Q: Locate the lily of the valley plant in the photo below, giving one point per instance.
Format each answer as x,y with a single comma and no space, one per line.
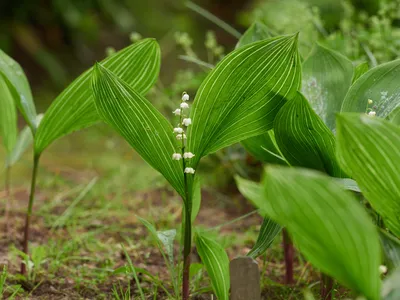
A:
238,99
73,109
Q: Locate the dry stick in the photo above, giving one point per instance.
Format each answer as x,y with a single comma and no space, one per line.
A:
8,199
25,241
326,287
289,253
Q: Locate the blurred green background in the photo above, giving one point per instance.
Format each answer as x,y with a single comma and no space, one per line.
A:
55,40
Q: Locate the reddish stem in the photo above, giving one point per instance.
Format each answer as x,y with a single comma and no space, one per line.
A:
289,254
326,287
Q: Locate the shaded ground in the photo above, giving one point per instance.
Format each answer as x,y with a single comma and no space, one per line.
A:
89,194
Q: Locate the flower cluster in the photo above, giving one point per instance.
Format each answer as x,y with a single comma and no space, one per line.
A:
180,133
371,111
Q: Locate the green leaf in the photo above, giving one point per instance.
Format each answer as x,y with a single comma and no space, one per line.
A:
19,85
304,139
328,226
216,262
381,85
74,108
348,184
269,229
391,249
391,286
268,232
8,117
251,190
241,96
394,116
256,32
167,238
327,77
368,150
142,125
263,147
196,199
359,71
24,140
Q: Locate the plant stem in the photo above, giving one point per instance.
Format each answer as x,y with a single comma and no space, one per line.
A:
326,287
187,242
8,198
289,253
25,241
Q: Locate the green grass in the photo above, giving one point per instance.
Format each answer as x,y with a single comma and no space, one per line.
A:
91,186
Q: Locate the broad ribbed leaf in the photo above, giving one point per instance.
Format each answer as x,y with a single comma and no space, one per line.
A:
196,199
251,190
304,139
256,32
394,116
142,125
268,232
359,71
263,147
368,150
74,108
327,77
391,249
216,262
19,85
381,85
269,229
242,94
8,117
328,226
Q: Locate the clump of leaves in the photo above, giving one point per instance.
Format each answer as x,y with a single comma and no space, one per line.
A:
74,108
238,99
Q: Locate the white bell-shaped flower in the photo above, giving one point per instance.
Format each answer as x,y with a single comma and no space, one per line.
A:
189,170
181,136
178,130
185,97
187,121
184,105
176,156
372,113
177,112
383,269
188,155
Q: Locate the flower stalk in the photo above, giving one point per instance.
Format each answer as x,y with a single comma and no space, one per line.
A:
187,212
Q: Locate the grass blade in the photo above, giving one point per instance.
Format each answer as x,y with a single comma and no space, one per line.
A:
217,21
